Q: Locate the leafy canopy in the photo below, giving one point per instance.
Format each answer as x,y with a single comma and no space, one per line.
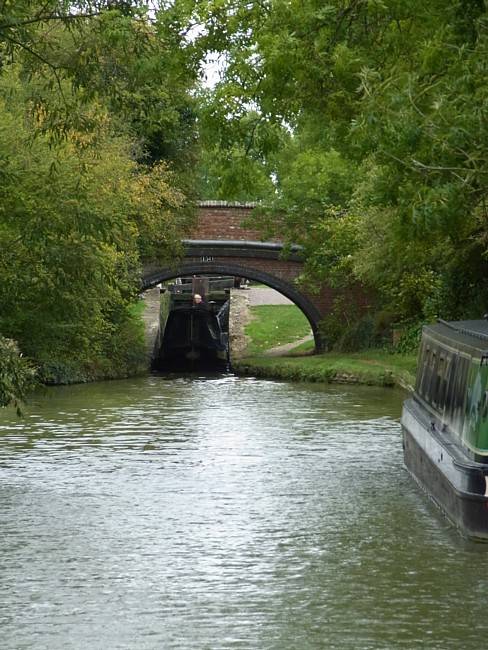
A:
382,110
96,150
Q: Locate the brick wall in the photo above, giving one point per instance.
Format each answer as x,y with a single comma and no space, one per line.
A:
283,269
224,221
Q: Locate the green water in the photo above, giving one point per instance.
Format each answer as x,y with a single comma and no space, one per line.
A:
223,512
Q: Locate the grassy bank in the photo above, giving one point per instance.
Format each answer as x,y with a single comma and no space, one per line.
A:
275,325
372,367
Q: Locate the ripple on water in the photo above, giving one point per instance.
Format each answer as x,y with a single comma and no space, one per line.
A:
221,512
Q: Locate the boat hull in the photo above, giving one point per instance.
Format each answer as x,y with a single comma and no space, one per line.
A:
457,484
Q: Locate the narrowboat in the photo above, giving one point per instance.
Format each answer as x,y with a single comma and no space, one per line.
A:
445,422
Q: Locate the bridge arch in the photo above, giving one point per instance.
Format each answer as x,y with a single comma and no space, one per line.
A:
231,268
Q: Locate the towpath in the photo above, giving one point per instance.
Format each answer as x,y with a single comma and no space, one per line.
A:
266,296
282,350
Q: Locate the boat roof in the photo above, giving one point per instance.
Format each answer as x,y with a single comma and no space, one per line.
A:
470,335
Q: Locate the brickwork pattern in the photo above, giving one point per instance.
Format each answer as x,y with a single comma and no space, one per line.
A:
224,223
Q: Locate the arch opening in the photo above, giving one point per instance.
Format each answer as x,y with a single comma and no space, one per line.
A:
230,269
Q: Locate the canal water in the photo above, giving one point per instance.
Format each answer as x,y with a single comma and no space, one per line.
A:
223,512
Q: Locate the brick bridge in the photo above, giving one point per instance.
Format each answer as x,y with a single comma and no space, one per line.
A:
221,245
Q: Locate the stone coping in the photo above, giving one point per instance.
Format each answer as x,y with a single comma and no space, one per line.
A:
226,204
240,243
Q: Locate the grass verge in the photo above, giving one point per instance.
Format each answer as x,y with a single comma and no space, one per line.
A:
274,325
371,367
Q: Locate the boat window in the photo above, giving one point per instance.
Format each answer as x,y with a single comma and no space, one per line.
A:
432,396
460,392
446,382
440,381
423,379
484,410
433,359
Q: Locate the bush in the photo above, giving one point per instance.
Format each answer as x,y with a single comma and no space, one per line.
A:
384,321
409,341
368,331
360,336
62,371
344,315
17,375
121,355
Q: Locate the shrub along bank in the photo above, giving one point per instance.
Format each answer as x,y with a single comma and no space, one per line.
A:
17,376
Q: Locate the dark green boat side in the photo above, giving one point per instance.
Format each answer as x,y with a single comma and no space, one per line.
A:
445,423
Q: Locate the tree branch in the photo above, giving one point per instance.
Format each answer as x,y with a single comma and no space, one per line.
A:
46,18
38,56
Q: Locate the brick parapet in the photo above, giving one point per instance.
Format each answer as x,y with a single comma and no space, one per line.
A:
225,221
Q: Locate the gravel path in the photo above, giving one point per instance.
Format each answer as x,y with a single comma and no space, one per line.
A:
266,296
281,350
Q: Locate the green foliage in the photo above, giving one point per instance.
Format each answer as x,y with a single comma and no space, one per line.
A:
130,58
361,126
381,167
235,147
230,175
342,317
360,336
362,333
17,375
409,340
121,355
348,329
75,223
97,140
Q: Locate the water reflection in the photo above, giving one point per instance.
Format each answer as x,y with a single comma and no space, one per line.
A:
218,512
